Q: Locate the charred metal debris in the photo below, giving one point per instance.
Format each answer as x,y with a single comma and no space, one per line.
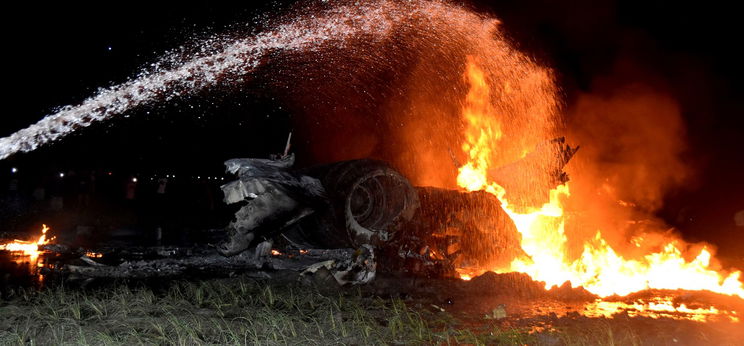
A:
347,220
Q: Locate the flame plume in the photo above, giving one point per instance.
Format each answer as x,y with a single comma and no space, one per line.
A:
600,268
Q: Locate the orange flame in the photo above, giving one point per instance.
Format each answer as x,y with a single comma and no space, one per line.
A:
92,254
599,269
27,248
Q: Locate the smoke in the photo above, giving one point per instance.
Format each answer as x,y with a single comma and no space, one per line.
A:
400,99
633,139
739,218
633,144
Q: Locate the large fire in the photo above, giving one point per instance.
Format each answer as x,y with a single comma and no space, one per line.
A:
600,268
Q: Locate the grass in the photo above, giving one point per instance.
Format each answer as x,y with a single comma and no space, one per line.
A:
246,311
225,311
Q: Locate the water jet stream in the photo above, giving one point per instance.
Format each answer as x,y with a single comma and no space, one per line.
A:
239,57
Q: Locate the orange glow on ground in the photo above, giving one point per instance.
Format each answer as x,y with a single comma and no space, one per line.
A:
657,308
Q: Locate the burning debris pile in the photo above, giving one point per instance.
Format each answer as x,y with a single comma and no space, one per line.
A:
366,203
599,268
336,217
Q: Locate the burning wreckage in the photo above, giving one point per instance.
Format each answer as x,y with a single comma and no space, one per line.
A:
349,219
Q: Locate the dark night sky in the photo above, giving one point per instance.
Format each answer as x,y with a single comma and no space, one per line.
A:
59,54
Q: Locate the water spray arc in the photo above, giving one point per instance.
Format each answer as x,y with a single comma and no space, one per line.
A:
238,57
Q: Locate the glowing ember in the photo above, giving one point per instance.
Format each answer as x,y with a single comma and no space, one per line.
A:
600,268
275,252
28,248
92,254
